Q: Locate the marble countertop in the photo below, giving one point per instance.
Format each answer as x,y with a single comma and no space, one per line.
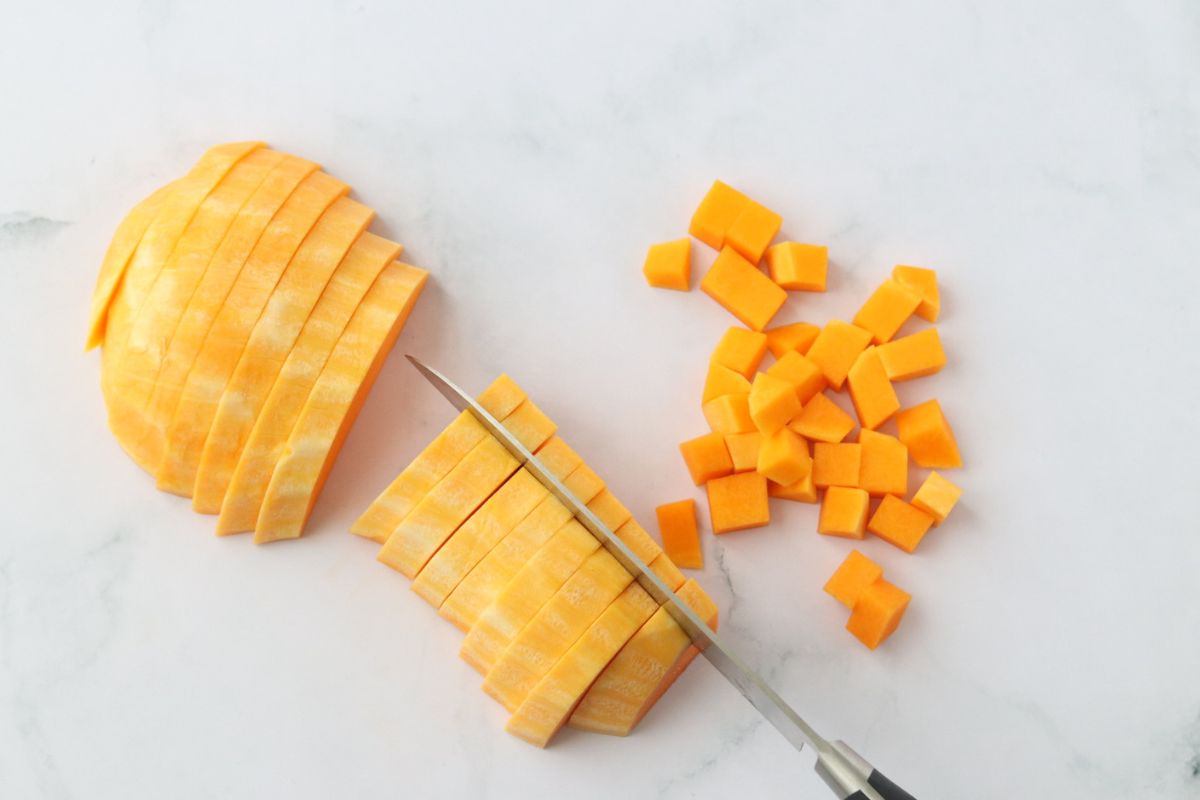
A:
1043,158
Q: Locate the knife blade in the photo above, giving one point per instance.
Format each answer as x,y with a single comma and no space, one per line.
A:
843,770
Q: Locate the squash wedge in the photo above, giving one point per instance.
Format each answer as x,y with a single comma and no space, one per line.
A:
120,250
550,703
277,297
334,402
268,349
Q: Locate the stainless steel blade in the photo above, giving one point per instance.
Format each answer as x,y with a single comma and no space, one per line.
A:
782,716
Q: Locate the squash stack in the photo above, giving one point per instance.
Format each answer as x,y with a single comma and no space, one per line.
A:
561,632
244,311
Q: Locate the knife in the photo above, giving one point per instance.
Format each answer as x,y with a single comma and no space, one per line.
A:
845,772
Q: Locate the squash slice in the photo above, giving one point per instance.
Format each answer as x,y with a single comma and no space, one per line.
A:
440,456
245,476
120,250
549,705
530,589
334,402
278,297
557,626
270,226
643,670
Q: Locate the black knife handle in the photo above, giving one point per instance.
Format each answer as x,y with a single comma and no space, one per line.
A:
886,789
851,778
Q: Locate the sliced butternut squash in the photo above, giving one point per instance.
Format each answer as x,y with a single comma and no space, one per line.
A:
334,402
279,300
550,703
643,670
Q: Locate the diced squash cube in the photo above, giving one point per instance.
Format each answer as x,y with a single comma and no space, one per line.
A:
799,267
743,289
584,483
741,350
784,457
884,467
899,523
796,336
936,497
530,425
729,413
772,402
669,265
844,512
874,399
637,539
751,233
722,380
717,212
558,457
836,464
913,356
706,457
852,577
878,612
887,309
836,348
643,670
738,501
925,431
925,282
822,420
611,511
680,535
743,450
802,373
802,491
665,568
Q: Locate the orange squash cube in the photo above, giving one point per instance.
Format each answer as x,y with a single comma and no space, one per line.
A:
680,536
822,420
669,265
611,511
801,372
874,399
796,336
913,356
799,267
773,402
925,431
877,612
740,350
936,497
722,380
844,512
802,491
836,348
836,464
706,457
887,309
884,466
737,502
924,281
899,523
753,230
784,457
852,577
717,212
743,290
729,413
743,450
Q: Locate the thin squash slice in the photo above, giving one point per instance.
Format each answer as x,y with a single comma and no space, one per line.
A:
273,422
334,402
262,360
440,456
272,225
120,250
643,670
279,300
552,631
550,703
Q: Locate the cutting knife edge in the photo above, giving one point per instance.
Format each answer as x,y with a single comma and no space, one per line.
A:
846,773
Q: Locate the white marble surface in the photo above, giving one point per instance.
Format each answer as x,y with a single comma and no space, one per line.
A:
1044,158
